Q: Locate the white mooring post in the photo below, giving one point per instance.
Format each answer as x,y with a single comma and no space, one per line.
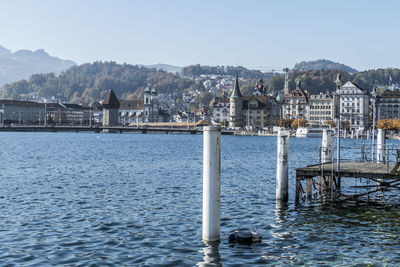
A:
368,135
211,183
327,146
282,165
380,146
352,134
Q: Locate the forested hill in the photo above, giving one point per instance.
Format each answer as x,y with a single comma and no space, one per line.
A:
322,64
90,82
323,80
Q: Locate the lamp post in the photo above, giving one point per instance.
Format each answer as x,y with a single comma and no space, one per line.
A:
338,85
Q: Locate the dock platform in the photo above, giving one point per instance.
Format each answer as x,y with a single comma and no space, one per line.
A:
323,181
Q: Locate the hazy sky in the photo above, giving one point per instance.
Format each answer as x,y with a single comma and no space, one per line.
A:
256,34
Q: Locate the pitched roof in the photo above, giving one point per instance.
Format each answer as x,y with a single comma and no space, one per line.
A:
390,94
111,100
262,99
236,90
127,104
297,93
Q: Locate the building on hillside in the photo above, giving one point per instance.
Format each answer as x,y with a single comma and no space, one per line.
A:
260,111
256,111
294,104
110,109
320,108
221,109
130,111
260,89
388,105
354,106
22,112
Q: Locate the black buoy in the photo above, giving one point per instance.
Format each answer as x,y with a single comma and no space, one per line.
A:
244,237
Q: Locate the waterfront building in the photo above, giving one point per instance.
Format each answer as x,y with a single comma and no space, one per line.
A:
221,109
130,111
22,112
294,104
354,106
320,108
257,111
111,106
260,111
388,105
75,114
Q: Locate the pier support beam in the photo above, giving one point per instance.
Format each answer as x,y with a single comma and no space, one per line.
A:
211,183
380,146
282,165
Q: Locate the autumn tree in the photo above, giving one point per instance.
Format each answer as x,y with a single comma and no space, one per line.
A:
286,123
299,123
330,123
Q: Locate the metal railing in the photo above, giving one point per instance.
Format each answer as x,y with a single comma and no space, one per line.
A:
367,153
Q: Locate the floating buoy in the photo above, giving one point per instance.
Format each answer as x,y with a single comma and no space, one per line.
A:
244,237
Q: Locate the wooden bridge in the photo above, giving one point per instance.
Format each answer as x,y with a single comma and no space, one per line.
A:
114,129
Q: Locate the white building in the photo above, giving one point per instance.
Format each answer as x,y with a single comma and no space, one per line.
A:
221,109
22,112
320,109
354,106
388,105
295,103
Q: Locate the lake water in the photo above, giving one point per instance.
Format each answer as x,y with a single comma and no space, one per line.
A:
82,199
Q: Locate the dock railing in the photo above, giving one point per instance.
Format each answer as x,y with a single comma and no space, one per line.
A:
366,153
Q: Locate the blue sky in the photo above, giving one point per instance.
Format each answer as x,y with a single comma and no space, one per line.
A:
251,33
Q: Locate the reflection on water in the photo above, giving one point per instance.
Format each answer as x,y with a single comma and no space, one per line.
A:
211,255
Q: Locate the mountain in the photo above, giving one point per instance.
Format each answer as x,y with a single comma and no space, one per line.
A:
23,63
323,64
165,67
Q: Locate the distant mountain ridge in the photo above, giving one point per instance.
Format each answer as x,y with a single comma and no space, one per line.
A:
23,63
165,67
322,64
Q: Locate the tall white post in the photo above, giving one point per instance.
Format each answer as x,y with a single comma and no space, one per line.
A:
327,146
368,134
211,183
352,134
282,165
380,146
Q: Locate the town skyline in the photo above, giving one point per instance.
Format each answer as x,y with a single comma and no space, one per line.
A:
257,35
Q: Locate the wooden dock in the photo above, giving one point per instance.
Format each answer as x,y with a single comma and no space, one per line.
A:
322,182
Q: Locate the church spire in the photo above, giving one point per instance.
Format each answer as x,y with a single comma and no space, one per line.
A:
236,91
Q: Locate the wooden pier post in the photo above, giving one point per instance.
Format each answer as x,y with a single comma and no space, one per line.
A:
380,146
282,165
211,183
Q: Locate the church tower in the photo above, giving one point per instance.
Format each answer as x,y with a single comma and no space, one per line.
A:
236,106
147,105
